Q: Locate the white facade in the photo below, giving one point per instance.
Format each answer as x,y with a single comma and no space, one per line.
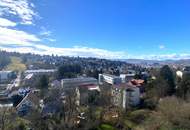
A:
111,79
76,82
179,74
127,77
125,95
131,97
39,71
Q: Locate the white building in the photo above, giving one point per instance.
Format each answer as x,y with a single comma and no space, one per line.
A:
77,82
131,97
179,74
40,71
111,79
5,75
127,77
125,95
76,86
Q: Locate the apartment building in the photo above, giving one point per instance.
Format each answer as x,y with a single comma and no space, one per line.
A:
82,88
77,82
110,79
125,95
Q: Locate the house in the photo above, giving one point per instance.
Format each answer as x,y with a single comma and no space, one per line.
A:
29,102
111,79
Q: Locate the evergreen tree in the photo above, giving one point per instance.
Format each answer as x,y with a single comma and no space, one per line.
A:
167,74
184,87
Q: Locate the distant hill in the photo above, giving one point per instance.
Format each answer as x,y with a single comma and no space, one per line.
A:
142,61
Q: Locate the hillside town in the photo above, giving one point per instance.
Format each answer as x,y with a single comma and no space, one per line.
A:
65,94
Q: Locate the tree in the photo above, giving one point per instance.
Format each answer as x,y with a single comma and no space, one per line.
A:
7,116
4,60
43,85
16,99
155,90
167,74
43,82
184,86
68,71
171,114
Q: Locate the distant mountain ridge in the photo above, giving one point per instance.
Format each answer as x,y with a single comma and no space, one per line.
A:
142,61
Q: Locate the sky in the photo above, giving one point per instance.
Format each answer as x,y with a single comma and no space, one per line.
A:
111,29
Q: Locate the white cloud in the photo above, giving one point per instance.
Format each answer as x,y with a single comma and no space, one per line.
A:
172,56
13,39
162,47
74,51
45,32
16,37
7,23
51,39
20,8
88,52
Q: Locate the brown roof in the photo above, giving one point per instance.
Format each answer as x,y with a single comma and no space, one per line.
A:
137,81
124,85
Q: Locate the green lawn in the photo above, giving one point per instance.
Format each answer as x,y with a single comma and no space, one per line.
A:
16,64
106,127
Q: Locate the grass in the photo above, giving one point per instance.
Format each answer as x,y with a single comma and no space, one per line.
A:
106,127
16,64
98,112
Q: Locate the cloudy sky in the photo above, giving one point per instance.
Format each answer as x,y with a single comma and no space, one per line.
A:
114,29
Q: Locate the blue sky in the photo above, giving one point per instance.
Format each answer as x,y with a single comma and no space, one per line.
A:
145,29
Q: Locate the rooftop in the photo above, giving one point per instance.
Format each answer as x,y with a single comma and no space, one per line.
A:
113,76
81,79
40,71
5,72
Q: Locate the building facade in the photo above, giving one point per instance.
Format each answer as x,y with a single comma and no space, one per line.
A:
110,79
125,95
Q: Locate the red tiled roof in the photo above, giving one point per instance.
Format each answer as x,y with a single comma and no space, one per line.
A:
137,81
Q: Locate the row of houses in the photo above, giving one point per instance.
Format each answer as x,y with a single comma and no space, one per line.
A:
78,88
125,90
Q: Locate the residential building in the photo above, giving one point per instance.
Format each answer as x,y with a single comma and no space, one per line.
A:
76,82
88,94
127,77
125,95
28,103
111,79
81,87
131,97
40,71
